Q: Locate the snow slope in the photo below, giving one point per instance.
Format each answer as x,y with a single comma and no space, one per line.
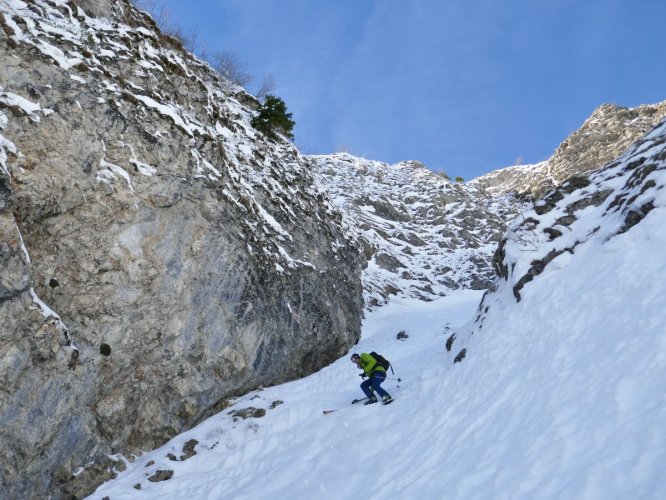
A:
562,398
296,451
561,394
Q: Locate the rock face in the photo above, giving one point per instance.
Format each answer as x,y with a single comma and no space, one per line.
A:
157,254
423,235
604,136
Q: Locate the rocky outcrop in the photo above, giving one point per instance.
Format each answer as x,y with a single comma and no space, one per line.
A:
583,215
422,234
157,254
604,136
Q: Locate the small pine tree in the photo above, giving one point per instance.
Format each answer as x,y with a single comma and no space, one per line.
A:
460,180
273,117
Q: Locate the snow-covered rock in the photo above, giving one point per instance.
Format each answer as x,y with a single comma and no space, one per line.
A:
607,133
422,234
157,254
585,215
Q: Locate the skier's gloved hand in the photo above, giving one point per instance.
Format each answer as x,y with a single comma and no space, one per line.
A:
362,375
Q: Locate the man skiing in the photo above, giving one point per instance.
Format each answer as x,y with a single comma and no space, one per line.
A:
376,375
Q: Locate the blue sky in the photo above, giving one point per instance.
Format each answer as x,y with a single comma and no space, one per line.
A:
463,86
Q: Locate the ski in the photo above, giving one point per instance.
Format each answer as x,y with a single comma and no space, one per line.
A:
327,412
363,399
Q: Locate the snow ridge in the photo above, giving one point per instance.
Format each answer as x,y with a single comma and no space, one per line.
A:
585,215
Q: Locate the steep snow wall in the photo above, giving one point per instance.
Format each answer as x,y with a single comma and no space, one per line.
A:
157,254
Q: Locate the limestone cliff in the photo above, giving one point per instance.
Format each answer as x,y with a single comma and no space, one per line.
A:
157,254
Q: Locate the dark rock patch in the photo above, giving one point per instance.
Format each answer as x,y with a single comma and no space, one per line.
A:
635,216
161,475
249,412
552,233
449,342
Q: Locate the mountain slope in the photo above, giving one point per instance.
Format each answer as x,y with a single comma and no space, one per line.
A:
423,236
560,394
607,133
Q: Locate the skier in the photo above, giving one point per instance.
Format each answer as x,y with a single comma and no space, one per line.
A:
376,375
